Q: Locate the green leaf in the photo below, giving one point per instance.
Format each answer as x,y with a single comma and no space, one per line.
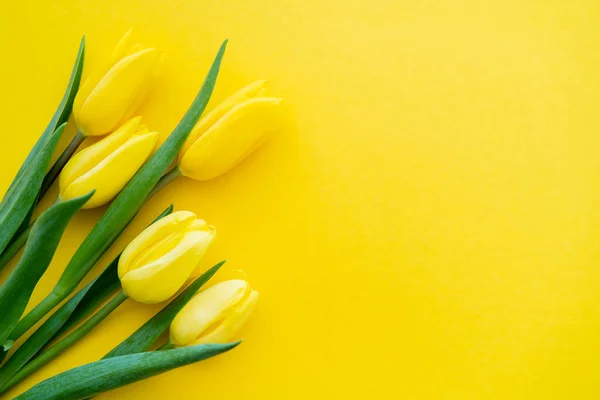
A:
61,115
20,198
125,205
100,376
144,337
69,314
45,236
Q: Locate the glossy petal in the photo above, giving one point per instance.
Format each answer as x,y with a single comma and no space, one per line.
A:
235,136
160,260
252,90
92,80
107,165
232,324
91,156
155,233
123,85
207,311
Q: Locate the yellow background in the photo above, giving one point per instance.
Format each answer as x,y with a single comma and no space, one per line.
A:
425,226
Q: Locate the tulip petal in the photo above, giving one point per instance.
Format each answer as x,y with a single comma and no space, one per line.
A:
232,324
106,104
92,80
142,95
161,279
90,157
254,89
176,222
166,245
235,136
112,174
207,308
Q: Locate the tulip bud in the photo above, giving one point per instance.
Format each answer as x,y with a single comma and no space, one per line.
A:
159,261
229,133
214,315
108,164
113,93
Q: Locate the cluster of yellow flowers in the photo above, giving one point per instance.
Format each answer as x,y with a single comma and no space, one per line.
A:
159,262
125,165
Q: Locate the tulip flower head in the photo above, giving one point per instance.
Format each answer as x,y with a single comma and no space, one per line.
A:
214,315
108,164
113,93
229,133
160,260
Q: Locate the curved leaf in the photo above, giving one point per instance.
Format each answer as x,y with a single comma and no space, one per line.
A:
100,376
45,236
144,337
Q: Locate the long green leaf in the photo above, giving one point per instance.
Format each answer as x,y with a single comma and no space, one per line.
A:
68,315
20,198
144,337
61,115
45,236
125,205
101,376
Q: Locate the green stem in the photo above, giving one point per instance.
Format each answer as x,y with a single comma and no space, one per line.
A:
36,314
166,346
164,181
50,354
60,163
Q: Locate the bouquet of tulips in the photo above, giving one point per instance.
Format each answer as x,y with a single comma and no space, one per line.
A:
125,167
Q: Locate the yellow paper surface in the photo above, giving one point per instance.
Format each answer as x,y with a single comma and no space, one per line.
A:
425,226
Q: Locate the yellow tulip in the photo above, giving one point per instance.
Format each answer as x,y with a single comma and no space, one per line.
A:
108,164
160,260
112,94
214,315
229,133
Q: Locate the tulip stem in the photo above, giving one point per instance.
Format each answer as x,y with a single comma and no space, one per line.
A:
166,346
58,166
164,181
48,355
